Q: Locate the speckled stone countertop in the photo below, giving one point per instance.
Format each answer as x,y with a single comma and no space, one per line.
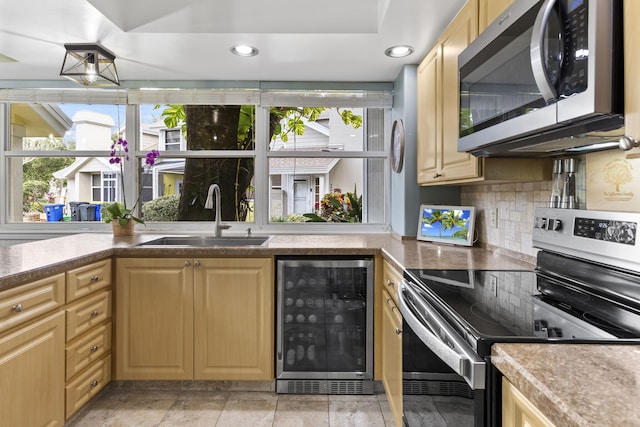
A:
576,384
30,261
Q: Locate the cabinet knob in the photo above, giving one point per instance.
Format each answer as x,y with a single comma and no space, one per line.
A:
93,383
436,175
93,348
95,278
94,313
17,308
390,283
398,331
187,263
197,263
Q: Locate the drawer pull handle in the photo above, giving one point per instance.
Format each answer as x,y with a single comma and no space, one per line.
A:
17,308
95,278
93,383
93,348
95,313
398,331
390,283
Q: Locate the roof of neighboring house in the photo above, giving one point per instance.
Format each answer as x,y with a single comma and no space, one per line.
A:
83,164
40,120
301,166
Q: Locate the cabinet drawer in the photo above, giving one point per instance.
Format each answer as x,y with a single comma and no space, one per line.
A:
87,313
87,349
26,302
391,278
85,280
86,385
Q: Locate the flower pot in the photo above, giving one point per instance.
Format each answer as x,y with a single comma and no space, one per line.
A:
119,230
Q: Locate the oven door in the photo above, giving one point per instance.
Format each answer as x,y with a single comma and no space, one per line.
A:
443,378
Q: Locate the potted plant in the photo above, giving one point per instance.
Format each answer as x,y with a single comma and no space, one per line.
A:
122,217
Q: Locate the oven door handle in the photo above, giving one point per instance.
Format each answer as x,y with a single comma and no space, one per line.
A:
449,346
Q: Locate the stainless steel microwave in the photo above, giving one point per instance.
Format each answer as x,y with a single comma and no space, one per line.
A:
545,78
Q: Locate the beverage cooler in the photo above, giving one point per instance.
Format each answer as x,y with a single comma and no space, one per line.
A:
324,325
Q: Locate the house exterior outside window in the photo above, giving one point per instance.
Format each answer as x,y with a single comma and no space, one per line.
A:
303,169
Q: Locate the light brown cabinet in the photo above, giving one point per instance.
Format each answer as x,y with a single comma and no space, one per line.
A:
88,333
389,338
392,356
183,319
32,373
154,319
32,337
489,10
234,309
439,161
518,411
631,66
437,83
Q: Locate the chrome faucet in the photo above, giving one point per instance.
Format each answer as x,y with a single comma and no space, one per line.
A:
215,189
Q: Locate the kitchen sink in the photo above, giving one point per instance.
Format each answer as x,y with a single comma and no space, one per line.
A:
207,241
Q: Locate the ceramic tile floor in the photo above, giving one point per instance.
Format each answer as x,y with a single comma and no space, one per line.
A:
140,408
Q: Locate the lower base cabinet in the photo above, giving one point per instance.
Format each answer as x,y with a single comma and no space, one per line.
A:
392,356
32,374
518,411
203,319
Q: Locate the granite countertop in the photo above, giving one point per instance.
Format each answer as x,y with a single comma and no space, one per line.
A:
576,384
31,261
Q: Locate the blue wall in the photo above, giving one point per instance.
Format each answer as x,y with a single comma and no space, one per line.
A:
406,194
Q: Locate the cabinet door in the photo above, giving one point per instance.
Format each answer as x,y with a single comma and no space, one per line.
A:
489,11
154,319
392,356
518,411
234,326
631,66
428,132
458,35
32,374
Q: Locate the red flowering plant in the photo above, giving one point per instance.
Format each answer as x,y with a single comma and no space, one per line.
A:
119,211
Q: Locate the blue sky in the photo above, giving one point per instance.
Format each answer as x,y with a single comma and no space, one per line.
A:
70,110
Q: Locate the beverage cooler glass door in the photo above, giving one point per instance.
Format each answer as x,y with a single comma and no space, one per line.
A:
325,319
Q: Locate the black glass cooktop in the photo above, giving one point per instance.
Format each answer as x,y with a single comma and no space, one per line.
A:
498,305
493,303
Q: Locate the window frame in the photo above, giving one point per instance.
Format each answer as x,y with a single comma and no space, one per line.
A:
260,154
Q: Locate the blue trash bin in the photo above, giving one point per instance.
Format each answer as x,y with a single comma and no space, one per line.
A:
54,212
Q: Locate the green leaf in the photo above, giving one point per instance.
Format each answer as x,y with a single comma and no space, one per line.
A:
313,217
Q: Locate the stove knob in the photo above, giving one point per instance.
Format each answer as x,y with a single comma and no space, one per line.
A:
556,225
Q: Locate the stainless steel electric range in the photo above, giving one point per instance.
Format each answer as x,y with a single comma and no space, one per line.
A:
585,288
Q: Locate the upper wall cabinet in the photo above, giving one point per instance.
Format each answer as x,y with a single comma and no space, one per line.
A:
631,66
488,10
439,161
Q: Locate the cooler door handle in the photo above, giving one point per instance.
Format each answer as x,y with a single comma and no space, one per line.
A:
537,52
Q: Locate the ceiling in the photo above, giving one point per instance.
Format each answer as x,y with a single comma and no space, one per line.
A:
319,41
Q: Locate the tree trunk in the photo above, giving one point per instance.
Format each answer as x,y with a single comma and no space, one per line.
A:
213,128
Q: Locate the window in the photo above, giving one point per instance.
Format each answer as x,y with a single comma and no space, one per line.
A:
274,164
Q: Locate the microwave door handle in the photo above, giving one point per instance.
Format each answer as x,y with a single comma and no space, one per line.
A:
537,52
463,360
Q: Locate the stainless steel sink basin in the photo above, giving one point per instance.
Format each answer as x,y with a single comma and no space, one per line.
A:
207,241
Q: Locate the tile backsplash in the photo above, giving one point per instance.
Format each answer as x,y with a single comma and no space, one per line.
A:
516,203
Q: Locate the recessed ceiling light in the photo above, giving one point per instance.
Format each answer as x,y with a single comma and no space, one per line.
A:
244,50
399,51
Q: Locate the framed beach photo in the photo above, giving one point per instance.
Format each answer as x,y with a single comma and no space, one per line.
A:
452,225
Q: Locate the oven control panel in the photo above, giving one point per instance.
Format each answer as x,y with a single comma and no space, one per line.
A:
603,237
605,229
